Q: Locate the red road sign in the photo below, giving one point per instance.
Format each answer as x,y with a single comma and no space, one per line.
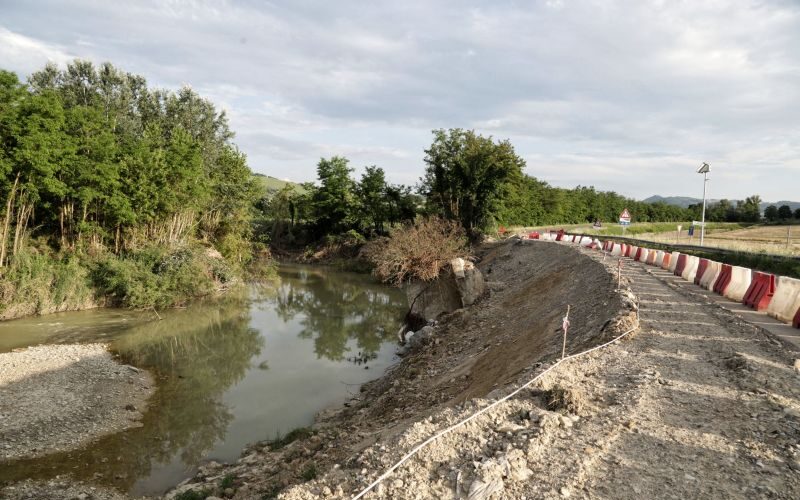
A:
625,215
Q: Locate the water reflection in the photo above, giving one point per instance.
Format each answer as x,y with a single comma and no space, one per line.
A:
335,311
229,373
197,354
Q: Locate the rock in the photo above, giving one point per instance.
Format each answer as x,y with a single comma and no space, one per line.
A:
509,427
457,287
327,491
565,492
397,483
797,365
480,490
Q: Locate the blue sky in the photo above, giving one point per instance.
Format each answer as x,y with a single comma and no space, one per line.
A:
627,96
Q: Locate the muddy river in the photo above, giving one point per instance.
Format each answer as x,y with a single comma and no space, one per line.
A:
230,372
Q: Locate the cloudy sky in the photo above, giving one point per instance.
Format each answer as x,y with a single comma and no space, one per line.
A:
630,96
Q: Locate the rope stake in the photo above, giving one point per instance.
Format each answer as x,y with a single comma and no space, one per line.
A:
565,327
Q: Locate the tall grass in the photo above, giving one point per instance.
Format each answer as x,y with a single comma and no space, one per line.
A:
38,283
156,277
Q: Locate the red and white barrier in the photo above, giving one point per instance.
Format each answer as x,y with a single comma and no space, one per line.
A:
709,277
666,261
673,261
786,301
690,270
741,277
616,250
651,257
659,259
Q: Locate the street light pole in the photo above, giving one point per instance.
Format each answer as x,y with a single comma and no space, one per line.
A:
703,170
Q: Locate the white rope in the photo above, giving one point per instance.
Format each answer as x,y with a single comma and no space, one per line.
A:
482,411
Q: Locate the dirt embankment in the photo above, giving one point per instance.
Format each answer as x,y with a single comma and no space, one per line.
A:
474,352
60,397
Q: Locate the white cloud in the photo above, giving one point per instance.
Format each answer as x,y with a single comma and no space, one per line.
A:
629,96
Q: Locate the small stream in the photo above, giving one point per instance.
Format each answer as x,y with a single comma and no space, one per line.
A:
229,372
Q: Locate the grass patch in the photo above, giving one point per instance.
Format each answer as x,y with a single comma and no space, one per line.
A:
271,493
310,472
193,495
291,437
227,482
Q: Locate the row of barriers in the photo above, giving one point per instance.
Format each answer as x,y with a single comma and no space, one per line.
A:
779,296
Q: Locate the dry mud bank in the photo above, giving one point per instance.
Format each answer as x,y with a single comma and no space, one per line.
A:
509,334
57,398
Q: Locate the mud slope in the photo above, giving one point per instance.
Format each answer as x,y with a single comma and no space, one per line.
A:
472,352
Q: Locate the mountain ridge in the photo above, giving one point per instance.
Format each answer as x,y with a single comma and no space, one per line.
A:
685,201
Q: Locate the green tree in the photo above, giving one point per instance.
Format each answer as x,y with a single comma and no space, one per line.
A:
466,174
771,213
333,204
784,212
750,209
797,214
372,198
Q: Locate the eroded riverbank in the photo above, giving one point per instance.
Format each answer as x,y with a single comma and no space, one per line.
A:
474,352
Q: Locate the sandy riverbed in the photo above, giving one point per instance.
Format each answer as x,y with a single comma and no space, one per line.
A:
57,398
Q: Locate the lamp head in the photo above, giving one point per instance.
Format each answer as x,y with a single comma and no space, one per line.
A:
704,169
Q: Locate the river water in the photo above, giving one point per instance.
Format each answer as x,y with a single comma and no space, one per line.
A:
229,372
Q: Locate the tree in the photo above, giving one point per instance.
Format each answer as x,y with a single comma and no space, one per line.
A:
466,174
372,197
333,203
771,213
797,214
784,212
750,209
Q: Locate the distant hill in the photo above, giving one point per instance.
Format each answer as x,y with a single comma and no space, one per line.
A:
685,201
679,201
272,184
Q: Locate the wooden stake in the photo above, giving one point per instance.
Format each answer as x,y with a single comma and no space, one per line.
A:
565,327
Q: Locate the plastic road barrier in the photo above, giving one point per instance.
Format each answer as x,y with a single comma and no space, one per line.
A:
738,282
659,259
638,255
761,290
628,250
680,265
711,275
723,283
667,261
796,321
691,268
586,241
651,257
701,268
673,261
786,301
616,250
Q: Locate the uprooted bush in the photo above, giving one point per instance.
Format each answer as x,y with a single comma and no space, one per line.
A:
418,251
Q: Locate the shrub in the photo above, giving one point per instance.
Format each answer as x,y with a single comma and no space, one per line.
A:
418,251
154,277
38,283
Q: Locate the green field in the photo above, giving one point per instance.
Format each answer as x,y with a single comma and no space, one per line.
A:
272,185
